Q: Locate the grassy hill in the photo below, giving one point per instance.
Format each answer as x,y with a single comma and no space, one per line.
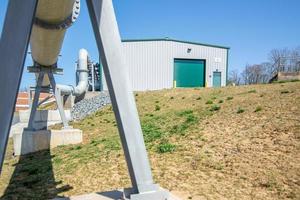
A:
226,143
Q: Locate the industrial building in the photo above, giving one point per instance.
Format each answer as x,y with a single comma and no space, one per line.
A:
156,64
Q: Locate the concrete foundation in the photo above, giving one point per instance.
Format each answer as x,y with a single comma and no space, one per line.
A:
43,119
113,195
43,115
32,141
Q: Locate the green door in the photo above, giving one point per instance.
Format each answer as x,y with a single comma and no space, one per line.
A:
217,79
189,73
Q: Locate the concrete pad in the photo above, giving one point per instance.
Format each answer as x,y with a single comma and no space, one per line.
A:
32,141
112,195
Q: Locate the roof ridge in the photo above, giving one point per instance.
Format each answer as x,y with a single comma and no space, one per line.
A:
174,40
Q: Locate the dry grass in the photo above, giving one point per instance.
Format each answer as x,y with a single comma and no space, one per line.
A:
197,150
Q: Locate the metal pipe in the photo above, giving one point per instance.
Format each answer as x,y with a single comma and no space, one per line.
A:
82,69
52,19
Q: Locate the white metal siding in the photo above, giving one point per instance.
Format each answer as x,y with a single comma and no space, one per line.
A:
151,63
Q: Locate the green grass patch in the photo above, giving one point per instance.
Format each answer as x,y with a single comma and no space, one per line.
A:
240,110
215,108
151,132
111,143
286,81
209,102
166,147
229,98
252,91
258,109
157,108
188,118
284,91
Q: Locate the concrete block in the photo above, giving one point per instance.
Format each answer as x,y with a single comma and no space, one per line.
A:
33,141
113,195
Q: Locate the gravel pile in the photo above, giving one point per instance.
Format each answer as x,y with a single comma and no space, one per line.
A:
89,106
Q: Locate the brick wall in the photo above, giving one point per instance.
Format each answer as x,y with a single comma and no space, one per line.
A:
23,100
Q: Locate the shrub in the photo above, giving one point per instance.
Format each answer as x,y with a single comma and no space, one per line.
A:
199,98
215,108
171,97
166,147
221,101
240,110
258,109
229,98
209,102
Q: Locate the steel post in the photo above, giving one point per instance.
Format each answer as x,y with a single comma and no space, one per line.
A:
13,49
59,100
110,49
35,102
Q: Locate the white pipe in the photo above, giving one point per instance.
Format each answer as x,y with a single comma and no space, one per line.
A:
46,43
82,69
53,17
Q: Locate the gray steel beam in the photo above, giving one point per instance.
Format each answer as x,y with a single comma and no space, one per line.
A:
59,101
35,103
110,48
13,47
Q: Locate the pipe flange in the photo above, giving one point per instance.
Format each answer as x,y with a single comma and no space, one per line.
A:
62,25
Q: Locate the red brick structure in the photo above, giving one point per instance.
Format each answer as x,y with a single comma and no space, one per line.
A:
23,100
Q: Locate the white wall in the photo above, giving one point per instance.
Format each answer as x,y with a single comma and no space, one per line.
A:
151,63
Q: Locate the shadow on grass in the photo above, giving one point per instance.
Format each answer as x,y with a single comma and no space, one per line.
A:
33,179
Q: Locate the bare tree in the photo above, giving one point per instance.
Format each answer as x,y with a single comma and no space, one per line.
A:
254,74
278,60
295,60
234,78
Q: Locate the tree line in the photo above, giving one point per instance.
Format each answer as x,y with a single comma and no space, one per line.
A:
280,60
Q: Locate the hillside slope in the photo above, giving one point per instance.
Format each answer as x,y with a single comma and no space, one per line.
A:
226,143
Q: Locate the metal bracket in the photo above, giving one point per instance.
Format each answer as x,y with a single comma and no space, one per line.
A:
39,69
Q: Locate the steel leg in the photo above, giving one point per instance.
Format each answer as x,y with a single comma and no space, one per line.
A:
59,100
13,47
110,48
35,102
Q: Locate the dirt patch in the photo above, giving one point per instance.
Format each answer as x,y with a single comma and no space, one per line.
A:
198,150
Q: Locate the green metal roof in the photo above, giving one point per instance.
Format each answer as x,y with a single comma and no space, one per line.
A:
172,40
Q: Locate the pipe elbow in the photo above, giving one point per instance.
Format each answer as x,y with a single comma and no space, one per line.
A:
82,69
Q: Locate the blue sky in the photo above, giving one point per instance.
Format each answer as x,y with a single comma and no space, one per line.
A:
250,27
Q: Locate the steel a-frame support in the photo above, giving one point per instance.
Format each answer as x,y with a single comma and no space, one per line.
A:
116,73
13,48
